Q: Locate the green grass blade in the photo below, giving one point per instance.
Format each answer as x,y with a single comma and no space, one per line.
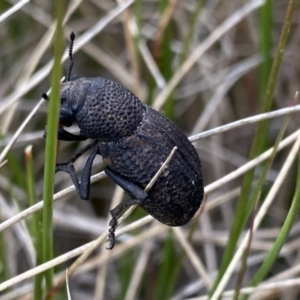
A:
244,258
240,213
36,220
267,166
51,144
283,234
265,44
166,268
4,274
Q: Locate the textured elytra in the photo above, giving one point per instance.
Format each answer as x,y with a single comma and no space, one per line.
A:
134,141
178,192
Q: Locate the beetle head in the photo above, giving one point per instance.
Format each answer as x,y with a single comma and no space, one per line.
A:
69,105
67,112
72,97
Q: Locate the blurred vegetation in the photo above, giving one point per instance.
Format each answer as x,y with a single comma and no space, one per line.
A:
142,49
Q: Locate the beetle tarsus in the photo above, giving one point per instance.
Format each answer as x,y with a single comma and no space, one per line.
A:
112,239
113,224
115,212
83,188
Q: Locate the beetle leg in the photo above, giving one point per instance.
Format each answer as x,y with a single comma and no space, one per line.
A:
82,187
79,153
131,188
138,196
115,212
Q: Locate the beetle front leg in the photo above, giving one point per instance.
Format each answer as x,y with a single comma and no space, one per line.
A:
82,187
138,196
79,153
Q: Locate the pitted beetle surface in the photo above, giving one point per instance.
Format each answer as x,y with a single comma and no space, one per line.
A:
134,140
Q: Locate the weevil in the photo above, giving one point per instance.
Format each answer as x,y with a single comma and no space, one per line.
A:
134,140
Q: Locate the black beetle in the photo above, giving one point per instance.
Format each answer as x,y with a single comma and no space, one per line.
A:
134,140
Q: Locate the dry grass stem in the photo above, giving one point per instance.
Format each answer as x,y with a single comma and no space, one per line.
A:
19,130
215,36
207,64
140,267
251,164
12,10
260,215
80,42
246,121
193,257
101,276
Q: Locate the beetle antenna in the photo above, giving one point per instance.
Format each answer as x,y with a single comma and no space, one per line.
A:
70,67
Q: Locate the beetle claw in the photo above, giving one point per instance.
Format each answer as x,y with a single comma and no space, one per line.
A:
111,238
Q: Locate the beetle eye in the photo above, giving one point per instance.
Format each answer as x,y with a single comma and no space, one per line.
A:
74,108
66,117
